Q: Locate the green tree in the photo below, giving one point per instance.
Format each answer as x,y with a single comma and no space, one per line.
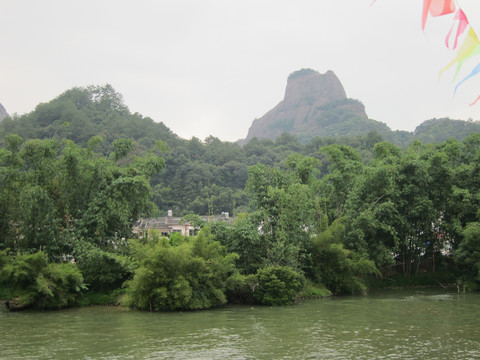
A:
371,207
345,165
122,148
415,205
11,180
55,196
286,213
243,238
340,269
467,256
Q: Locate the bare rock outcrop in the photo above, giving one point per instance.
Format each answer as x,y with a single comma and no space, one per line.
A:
312,102
3,113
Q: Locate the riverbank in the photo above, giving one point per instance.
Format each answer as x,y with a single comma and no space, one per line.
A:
439,279
108,298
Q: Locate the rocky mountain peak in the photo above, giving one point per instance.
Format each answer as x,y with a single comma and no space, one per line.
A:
309,100
3,113
309,86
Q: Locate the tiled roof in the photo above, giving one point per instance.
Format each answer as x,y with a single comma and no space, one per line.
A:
168,221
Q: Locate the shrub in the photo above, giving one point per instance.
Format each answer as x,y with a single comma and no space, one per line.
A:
39,284
277,285
192,275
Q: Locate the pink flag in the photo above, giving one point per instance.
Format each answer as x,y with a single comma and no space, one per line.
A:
460,24
473,103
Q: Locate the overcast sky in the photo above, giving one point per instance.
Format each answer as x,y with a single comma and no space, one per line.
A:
211,67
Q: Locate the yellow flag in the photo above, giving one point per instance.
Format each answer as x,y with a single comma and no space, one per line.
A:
469,48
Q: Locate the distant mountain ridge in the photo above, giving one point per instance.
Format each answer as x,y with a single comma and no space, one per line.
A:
439,130
316,105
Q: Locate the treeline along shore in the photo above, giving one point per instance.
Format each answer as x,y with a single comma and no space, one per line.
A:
333,216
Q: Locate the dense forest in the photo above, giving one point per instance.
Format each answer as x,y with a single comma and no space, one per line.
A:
334,215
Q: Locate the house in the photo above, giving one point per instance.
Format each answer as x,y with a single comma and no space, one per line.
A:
170,224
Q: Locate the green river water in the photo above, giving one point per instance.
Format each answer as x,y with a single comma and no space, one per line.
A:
391,324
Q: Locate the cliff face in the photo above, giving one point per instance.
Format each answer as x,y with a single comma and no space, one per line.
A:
3,113
312,102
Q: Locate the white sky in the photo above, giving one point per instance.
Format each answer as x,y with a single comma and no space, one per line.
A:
211,67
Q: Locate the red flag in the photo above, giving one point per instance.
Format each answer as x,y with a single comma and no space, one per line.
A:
436,8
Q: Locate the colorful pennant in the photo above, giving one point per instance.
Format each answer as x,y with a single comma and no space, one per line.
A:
459,25
436,8
474,72
476,100
469,48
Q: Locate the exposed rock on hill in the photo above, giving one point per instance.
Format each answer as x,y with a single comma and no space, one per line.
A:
314,105
3,113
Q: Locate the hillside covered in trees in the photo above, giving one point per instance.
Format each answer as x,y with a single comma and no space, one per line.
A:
200,176
325,216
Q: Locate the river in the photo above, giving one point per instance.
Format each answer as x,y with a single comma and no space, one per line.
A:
391,324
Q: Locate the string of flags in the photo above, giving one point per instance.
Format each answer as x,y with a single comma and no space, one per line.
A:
470,46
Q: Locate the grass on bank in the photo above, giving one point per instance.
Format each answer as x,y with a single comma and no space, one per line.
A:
107,298
313,291
437,279
88,298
